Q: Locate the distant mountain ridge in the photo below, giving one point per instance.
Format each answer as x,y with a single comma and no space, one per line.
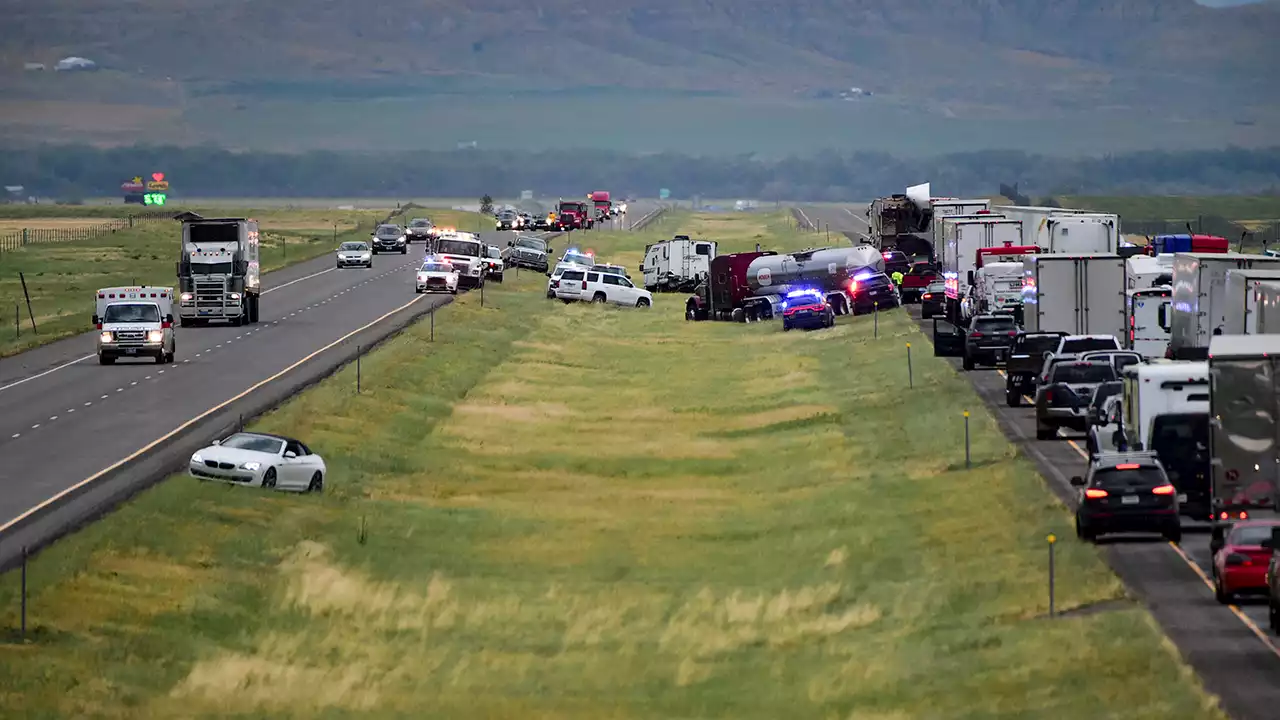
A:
984,52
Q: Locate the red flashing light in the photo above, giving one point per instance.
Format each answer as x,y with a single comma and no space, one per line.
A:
1095,493
101,296
1163,490
166,325
1128,466
975,335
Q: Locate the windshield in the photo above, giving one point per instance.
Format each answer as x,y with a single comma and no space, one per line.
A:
419,223
990,325
937,287
1106,390
257,443
459,247
1035,344
1139,479
1083,374
1250,534
131,313
871,281
1087,344
437,267
921,270
577,259
493,252
530,244
388,231
611,270
572,275
353,246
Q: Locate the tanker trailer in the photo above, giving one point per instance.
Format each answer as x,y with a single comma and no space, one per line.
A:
829,270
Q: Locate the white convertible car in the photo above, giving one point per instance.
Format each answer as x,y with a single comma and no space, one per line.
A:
260,460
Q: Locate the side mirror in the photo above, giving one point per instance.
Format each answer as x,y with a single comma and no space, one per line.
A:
641,266
510,244
1077,481
1275,538
289,454
168,319
217,442
96,320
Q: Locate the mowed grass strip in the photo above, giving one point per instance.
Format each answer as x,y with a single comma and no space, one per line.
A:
61,277
576,511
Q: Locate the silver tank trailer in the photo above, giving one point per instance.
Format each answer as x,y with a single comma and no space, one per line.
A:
827,269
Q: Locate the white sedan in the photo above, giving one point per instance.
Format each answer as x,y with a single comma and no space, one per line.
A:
437,275
260,460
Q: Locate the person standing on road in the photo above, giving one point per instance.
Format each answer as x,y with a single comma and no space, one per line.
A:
897,277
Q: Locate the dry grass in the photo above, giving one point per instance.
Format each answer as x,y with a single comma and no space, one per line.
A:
51,223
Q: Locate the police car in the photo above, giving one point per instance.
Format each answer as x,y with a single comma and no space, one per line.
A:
807,309
437,275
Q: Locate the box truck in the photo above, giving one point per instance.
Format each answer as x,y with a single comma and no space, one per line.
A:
1079,294
1199,298
1240,299
1064,230
1267,304
963,239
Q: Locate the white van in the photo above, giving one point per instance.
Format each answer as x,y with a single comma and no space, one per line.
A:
135,322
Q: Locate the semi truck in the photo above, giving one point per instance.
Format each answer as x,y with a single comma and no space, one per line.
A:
573,215
603,206
1199,298
676,265
963,239
1243,429
746,287
911,222
1241,298
218,271
997,281
1079,294
134,322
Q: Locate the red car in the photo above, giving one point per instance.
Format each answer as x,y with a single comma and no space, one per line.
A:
1240,567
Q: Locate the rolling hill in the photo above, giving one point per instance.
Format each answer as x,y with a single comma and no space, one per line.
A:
966,58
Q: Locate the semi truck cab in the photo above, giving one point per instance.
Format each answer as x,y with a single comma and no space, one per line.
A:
218,271
134,322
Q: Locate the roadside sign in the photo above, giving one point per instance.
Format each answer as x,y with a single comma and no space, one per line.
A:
664,193
154,199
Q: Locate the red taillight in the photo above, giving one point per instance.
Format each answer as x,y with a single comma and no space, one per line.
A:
584,284
928,295
98,326
1012,333
975,335
1163,490
1095,493
1128,466
166,325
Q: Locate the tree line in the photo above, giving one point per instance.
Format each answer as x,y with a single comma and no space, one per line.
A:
78,171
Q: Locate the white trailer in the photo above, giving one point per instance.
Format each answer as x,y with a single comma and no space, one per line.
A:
1268,307
939,229
963,239
1241,299
1064,230
941,208
1076,294
676,265
1199,298
997,286
1144,271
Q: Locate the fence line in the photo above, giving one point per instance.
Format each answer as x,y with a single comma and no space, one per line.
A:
41,236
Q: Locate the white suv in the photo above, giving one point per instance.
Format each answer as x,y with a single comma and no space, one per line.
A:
599,287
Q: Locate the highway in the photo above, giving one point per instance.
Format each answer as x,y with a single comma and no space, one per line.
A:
850,220
1229,646
66,421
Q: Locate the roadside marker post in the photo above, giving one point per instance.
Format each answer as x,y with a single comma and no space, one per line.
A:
24,595
911,383
357,369
967,462
1053,539
17,321
433,324
876,307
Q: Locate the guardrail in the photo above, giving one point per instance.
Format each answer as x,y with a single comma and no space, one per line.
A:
648,218
23,237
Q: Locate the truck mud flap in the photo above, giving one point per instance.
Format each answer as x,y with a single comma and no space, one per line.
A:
948,340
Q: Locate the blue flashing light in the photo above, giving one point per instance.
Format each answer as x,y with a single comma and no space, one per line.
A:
862,275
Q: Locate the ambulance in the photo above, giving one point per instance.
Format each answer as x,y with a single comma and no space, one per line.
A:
134,322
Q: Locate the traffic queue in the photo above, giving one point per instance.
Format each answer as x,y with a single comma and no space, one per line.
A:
1155,358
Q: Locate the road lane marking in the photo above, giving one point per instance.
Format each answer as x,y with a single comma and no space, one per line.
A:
86,357
1235,609
149,446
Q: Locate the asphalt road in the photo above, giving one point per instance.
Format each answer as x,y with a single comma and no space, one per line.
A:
849,220
65,419
1227,645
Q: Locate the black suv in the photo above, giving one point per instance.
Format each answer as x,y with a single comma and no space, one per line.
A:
389,238
1026,359
988,340
1126,493
871,292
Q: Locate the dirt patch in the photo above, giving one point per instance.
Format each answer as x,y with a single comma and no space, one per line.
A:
784,415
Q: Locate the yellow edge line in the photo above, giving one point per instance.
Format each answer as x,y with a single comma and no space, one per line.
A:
1235,609
135,454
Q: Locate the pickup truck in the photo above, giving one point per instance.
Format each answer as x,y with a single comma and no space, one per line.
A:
916,280
1026,359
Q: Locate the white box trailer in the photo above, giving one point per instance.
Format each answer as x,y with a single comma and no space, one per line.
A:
1244,402
1267,304
1199,298
939,228
1079,294
947,207
1241,299
963,239
1145,271
677,264
1064,230
1147,315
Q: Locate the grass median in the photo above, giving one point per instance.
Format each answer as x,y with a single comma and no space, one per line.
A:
61,277
577,511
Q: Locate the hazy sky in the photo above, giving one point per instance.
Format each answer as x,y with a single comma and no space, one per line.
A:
1226,3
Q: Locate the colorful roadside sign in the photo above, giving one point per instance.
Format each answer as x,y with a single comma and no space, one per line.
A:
154,199
664,193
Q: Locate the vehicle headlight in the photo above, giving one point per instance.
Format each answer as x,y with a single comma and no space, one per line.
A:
196,459
155,336
234,296
422,278
107,336
186,297
365,256
250,466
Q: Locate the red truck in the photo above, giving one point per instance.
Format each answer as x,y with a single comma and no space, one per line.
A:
604,207
916,280
573,215
729,292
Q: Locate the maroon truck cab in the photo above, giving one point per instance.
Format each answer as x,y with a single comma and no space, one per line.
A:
727,285
916,280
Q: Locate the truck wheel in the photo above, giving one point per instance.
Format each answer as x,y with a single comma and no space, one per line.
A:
1044,433
968,362
690,312
1012,397
106,360
738,315
498,277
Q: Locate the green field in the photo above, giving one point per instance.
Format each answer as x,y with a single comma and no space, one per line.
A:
1242,208
62,276
587,512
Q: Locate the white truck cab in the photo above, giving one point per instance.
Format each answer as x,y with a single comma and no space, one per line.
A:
1155,389
134,322
466,252
1149,318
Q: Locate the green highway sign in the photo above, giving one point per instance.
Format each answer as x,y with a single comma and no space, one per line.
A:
154,198
664,193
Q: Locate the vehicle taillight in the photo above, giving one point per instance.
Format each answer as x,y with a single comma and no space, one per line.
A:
1048,396
1012,333
975,335
166,325
98,326
584,284
1163,490
1095,493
